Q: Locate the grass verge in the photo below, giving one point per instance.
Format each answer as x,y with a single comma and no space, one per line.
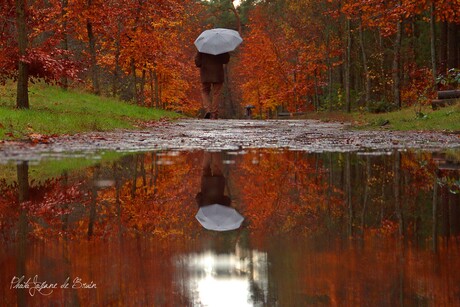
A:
445,119
56,111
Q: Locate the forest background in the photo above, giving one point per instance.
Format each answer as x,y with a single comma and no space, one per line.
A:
297,56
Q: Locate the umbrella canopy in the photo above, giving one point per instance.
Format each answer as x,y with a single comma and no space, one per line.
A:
217,41
218,217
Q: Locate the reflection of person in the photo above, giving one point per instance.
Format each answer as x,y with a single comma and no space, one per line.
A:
215,211
212,182
212,79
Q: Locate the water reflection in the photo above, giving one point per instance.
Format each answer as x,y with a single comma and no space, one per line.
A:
322,229
215,207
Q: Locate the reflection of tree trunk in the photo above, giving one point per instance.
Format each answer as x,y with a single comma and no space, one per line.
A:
444,227
366,192
143,173
454,214
23,196
92,208
348,193
397,192
116,176
66,257
22,95
65,218
133,186
154,173
23,181
330,185
435,213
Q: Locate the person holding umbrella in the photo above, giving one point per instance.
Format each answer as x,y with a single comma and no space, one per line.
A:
213,53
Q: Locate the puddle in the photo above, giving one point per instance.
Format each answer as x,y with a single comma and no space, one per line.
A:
336,228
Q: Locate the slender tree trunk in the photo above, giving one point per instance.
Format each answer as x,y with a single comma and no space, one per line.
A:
152,89
237,16
367,78
157,89
452,52
316,96
116,77
348,68
22,95
433,43
142,86
133,73
443,49
65,39
92,52
396,66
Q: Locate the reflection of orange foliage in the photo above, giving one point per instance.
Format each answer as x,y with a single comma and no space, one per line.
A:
134,272
378,272
163,206
284,192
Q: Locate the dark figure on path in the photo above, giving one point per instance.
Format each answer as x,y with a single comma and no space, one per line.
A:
212,79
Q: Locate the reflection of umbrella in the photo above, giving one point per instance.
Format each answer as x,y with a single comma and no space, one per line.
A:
217,41
218,217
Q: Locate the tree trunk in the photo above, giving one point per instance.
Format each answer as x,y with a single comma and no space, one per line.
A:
367,79
133,73
433,43
443,49
142,86
237,16
22,95
348,68
65,40
92,52
396,66
115,82
452,52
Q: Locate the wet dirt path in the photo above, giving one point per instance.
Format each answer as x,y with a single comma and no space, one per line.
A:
192,134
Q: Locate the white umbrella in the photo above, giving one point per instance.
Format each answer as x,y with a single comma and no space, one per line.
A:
218,217
217,41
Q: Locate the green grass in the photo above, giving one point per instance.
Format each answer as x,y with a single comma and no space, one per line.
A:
52,168
445,119
55,111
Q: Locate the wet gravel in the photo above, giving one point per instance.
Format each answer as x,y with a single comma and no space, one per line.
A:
192,134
